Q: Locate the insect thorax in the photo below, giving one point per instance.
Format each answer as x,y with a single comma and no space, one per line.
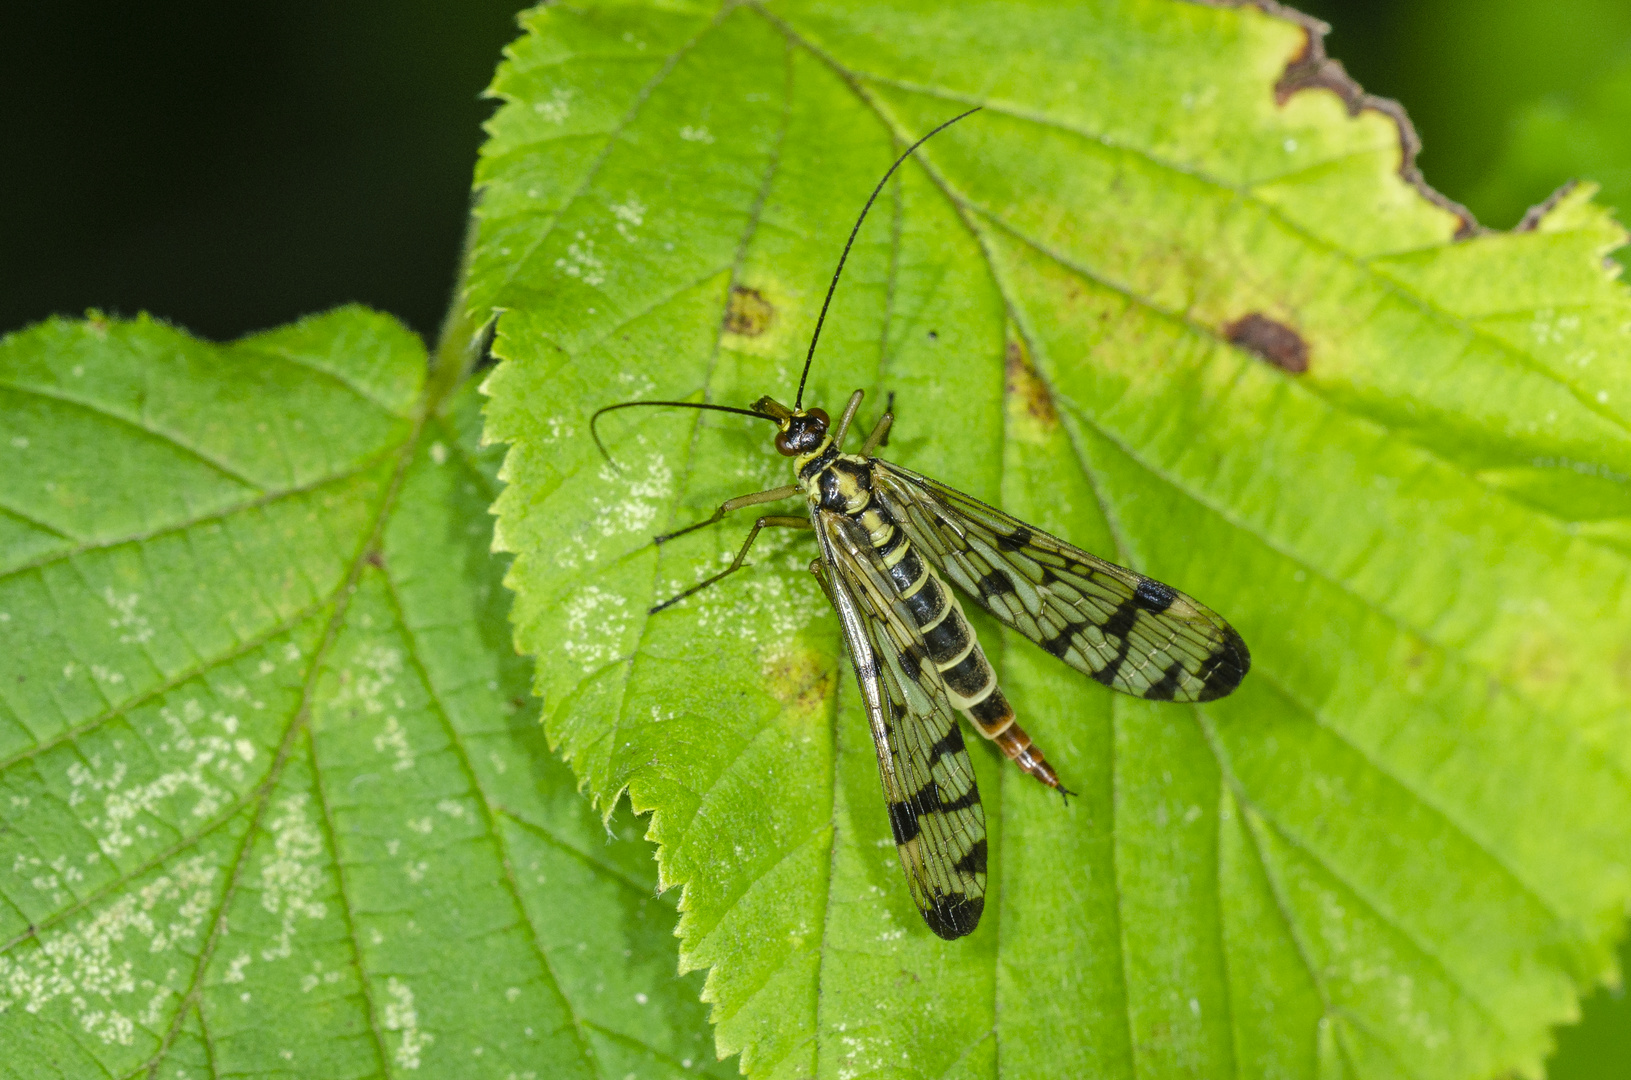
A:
840,483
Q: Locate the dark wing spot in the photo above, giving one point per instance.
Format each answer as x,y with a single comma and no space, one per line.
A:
748,312
1060,643
1166,688
1014,540
1225,668
1107,674
926,800
1153,596
949,743
903,822
1121,620
911,663
974,861
995,583
954,916
1272,341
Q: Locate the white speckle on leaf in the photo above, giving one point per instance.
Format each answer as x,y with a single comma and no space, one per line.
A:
595,622
1291,146
394,739
133,626
699,134
640,999
85,964
558,107
438,453
235,969
20,442
635,512
399,1015
630,216
1549,328
291,875
422,826
580,261
212,757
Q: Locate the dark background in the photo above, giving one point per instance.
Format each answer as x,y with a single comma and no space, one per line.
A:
230,167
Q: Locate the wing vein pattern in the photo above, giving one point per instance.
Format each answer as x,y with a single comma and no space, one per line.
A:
928,780
1129,632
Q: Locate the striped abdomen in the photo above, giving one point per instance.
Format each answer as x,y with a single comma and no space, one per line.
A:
950,642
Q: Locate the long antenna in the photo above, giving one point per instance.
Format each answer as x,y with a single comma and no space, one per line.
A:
809,357
593,420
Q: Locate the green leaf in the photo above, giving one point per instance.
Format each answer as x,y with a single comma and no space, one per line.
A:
1173,295
271,799
1584,136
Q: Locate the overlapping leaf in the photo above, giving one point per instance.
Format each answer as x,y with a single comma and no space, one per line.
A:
271,796
1172,295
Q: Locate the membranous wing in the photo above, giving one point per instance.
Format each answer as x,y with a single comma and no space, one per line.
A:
1130,632
928,780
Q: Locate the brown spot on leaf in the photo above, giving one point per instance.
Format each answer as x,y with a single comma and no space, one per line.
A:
748,312
800,678
1273,341
375,558
1312,69
1026,388
1621,666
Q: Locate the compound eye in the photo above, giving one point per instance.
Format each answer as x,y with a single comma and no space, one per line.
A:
782,446
819,422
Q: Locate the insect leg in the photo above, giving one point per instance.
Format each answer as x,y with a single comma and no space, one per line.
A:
880,434
777,521
849,414
773,495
